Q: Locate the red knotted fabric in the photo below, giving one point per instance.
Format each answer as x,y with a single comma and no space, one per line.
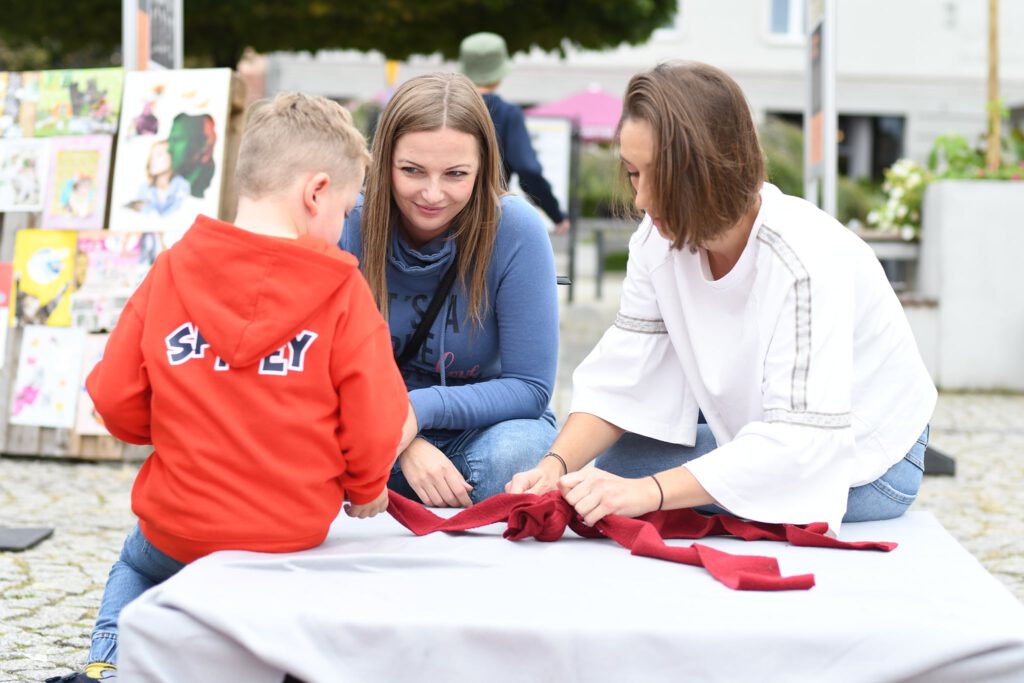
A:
546,517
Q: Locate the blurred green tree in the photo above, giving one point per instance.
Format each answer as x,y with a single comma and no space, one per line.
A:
216,31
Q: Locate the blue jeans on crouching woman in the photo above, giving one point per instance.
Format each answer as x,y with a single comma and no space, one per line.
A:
487,457
889,496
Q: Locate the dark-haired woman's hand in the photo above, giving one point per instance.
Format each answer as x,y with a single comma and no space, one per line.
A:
595,493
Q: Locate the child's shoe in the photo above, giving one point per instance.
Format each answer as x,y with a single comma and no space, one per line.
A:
97,671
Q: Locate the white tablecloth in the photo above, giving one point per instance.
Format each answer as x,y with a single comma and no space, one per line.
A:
376,603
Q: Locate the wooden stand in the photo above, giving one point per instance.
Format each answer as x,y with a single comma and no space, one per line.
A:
65,443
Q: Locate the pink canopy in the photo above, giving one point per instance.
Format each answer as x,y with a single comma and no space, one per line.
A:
596,111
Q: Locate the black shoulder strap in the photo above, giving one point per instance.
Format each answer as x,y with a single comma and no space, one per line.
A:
416,341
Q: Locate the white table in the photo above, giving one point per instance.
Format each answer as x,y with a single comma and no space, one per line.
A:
375,603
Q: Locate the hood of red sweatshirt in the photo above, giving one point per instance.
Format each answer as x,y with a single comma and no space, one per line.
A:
283,282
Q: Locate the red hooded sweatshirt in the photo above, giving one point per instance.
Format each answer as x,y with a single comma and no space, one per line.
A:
262,373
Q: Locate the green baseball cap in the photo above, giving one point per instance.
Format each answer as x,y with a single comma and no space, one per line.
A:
484,58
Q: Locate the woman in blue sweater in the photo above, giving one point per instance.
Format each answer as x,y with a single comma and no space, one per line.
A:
481,380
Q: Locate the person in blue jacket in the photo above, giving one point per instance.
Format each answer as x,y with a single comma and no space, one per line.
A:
481,380
483,57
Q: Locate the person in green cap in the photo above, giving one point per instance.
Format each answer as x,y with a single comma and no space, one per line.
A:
484,60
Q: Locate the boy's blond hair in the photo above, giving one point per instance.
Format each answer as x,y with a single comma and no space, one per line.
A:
294,134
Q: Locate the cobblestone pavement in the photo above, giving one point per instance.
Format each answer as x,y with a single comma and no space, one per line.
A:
49,594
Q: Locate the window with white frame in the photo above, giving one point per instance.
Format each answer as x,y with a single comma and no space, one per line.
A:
786,19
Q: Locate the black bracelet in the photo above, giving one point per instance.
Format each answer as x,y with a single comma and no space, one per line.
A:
661,492
565,468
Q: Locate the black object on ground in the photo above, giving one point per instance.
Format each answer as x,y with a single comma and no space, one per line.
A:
938,463
23,538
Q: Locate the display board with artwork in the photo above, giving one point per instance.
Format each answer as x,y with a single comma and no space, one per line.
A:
78,102
19,93
99,172
76,192
109,266
23,174
43,277
49,371
87,420
170,150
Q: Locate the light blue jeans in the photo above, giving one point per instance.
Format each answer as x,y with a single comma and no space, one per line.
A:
140,567
487,457
889,496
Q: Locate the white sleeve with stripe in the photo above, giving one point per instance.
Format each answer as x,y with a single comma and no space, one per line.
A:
633,377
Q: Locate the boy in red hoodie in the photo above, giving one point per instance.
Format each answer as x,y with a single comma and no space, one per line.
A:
255,362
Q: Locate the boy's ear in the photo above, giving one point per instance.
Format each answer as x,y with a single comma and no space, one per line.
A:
314,190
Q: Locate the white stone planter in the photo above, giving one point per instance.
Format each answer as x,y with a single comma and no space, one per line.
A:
972,265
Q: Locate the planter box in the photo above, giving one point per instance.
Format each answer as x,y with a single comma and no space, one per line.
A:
972,265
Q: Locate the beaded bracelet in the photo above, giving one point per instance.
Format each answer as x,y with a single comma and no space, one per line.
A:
565,468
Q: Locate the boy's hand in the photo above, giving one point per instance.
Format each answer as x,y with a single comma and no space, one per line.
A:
433,476
374,507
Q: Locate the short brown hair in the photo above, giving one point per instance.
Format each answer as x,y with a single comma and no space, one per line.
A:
294,134
708,166
426,103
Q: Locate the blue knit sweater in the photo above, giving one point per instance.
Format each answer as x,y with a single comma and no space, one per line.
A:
504,371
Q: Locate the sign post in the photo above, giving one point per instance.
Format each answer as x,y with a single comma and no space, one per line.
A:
820,119
151,34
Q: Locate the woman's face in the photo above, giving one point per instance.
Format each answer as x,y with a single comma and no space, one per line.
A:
433,174
636,146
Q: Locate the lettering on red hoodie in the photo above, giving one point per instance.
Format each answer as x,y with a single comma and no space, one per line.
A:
261,372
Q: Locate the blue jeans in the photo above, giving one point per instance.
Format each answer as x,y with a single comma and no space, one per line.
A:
487,457
140,567
889,496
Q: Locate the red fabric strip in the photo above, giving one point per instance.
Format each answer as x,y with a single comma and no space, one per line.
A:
546,517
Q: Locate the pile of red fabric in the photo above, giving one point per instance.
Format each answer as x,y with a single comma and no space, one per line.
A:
546,517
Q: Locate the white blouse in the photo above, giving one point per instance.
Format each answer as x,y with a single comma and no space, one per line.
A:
800,358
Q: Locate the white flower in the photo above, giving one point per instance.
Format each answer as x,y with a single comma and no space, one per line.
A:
907,232
872,218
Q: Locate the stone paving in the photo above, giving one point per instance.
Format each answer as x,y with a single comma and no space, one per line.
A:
49,594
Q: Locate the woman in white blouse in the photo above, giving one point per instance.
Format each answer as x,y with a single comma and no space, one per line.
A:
758,310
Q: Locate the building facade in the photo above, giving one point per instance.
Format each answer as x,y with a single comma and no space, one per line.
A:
907,70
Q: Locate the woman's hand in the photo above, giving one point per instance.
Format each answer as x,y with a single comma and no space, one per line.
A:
433,476
595,493
539,480
374,507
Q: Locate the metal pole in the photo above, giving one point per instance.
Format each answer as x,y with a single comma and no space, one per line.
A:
574,204
992,153
129,51
831,160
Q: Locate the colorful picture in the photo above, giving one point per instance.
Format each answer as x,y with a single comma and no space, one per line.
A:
43,268
23,165
76,194
87,420
109,266
170,150
78,102
49,372
5,304
19,94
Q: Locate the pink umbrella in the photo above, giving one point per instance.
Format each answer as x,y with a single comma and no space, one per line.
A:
595,111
